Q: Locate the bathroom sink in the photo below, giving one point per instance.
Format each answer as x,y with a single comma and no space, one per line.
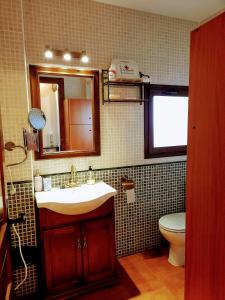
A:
75,201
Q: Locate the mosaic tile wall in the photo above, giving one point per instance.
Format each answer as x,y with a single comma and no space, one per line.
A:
31,284
23,202
13,88
159,44
160,190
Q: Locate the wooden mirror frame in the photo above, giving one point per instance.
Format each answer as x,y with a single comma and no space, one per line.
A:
35,73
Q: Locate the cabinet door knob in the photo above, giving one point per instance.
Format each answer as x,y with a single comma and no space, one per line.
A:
85,242
79,243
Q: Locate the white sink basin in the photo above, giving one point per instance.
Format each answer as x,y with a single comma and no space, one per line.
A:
75,201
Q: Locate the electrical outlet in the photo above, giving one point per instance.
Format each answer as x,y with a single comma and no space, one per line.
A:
20,219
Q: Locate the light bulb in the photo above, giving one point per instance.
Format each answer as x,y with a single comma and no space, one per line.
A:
84,58
67,56
48,53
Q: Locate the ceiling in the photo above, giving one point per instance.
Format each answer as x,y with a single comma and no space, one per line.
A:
194,10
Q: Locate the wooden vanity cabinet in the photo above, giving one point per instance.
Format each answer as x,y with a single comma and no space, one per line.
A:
78,251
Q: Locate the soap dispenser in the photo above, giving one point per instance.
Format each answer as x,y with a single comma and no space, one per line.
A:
90,176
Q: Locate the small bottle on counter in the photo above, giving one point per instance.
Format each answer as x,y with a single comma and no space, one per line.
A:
47,183
90,176
37,182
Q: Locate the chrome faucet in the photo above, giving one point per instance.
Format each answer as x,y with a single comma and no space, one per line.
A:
73,177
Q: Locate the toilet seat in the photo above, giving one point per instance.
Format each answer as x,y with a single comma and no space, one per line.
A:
173,222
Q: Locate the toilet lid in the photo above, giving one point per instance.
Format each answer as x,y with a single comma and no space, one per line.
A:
173,222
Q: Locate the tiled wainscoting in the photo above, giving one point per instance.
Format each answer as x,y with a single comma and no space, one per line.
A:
23,202
159,190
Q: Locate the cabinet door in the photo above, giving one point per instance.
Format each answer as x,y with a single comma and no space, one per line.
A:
99,249
80,111
62,258
81,137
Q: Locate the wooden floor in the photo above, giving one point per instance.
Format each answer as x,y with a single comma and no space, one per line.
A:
154,277
144,276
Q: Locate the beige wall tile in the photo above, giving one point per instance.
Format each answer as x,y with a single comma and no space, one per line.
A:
160,46
13,99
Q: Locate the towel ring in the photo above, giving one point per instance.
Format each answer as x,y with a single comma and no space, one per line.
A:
10,146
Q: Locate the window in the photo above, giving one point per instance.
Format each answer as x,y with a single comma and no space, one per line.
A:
166,118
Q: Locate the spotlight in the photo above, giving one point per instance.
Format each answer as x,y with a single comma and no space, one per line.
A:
67,56
84,57
48,53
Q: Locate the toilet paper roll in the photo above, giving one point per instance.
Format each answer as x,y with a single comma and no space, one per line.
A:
130,196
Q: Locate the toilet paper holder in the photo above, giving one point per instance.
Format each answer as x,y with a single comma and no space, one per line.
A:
127,184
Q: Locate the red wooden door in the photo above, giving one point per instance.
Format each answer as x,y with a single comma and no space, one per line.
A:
205,237
81,137
98,249
80,111
62,258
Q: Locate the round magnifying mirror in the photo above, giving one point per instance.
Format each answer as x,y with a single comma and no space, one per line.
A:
37,118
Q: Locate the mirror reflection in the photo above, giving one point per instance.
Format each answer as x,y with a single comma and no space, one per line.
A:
67,104
69,99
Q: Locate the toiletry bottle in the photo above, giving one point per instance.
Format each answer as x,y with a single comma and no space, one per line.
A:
37,182
90,176
47,184
51,139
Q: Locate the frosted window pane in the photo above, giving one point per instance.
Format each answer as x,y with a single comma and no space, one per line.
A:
170,121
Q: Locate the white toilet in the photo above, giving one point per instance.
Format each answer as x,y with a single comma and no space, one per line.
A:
172,227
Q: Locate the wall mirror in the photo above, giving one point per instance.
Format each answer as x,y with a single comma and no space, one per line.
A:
69,99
